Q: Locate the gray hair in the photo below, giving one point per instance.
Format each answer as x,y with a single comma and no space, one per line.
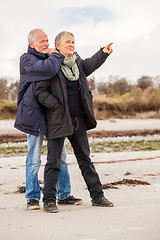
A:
31,34
60,35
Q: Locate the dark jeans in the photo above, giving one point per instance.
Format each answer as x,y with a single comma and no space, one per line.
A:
52,169
79,142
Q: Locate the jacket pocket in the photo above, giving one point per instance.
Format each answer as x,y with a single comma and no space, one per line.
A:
29,118
55,116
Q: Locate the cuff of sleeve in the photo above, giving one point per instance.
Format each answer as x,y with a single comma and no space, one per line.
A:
59,55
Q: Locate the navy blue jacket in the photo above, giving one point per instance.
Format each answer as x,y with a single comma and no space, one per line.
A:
34,67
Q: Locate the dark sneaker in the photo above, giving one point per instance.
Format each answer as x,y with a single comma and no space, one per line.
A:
70,200
50,208
102,202
33,204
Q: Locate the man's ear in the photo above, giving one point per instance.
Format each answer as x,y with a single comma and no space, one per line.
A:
31,44
57,46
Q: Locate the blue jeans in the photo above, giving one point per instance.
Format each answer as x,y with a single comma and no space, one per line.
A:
33,163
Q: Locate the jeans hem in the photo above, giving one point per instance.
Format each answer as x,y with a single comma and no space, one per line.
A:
97,198
33,198
64,197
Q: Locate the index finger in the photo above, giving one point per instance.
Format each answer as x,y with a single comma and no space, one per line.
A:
109,44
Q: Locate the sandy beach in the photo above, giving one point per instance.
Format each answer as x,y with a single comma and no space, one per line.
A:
136,214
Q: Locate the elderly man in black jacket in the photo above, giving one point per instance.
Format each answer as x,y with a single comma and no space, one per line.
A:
69,113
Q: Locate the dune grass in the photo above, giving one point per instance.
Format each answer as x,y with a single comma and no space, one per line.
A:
106,106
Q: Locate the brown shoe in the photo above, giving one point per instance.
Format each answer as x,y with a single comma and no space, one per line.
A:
50,208
102,202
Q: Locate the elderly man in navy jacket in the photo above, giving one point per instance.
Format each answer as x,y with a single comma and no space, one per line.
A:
39,63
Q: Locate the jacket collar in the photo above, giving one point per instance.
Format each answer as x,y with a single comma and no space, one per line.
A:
34,52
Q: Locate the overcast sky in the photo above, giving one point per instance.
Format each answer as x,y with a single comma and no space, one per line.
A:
132,26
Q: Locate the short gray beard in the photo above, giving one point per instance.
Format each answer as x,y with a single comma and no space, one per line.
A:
44,52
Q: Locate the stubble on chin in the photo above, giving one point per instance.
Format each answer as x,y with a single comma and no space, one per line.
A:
45,52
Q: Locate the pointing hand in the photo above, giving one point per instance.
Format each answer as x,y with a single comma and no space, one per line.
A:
108,49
